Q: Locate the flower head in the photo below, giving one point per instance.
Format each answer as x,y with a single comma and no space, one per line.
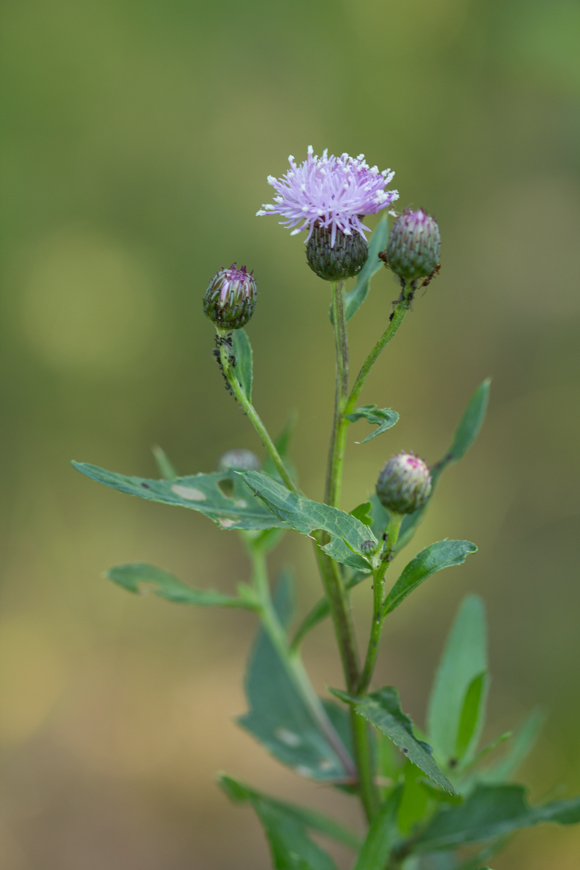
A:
230,299
330,192
404,484
414,245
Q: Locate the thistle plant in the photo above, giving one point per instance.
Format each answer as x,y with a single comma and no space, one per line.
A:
431,798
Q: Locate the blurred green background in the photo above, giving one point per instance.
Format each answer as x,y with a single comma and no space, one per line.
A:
136,141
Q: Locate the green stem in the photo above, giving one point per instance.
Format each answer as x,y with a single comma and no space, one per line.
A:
368,791
291,658
336,454
251,412
378,601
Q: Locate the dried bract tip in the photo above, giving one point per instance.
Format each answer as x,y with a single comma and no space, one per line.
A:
230,299
414,245
239,460
335,263
404,484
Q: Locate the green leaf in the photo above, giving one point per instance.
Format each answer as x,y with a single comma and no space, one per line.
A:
434,558
138,577
242,350
199,492
305,516
490,812
470,423
523,743
464,658
465,435
313,820
355,297
383,418
415,798
383,710
278,717
290,846
472,715
362,513
166,469
381,836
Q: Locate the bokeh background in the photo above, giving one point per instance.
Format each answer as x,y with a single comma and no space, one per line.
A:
136,141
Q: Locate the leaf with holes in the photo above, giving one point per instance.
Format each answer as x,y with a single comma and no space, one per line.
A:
382,418
279,718
200,492
305,516
140,578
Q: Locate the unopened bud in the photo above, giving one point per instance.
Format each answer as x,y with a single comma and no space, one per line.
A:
367,548
239,460
404,484
414,245
230,299
336,262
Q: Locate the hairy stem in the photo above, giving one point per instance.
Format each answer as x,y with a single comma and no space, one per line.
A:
252,414
336,452
291,658
378,601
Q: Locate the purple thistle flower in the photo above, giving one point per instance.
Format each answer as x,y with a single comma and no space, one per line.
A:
330,192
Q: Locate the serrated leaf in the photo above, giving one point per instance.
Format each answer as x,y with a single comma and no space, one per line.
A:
199,492
443,554
490,812
463,659
140,578
381,836
166,469
313,820
242,351
383,418
279,718
383,710
472,716
378,242
305,516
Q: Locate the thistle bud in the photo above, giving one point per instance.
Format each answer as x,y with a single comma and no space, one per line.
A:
239,460
230,299
367,548
335,262
404,484
414,245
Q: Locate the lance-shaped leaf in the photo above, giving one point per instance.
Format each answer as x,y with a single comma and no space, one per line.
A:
238,792
382,418
490,812
278,716
239,509
355,297
242,351
305,516
383,710
141,578
465,435
464,659
381,836
444,554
